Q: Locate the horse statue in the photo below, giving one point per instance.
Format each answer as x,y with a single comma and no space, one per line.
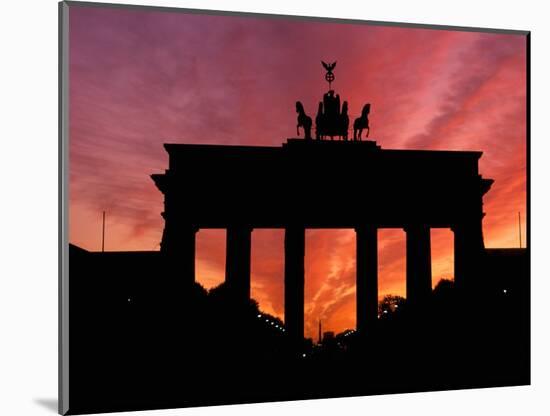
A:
319,120
361,123
304,121
344,121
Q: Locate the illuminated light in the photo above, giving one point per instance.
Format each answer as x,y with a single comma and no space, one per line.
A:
128,299
303,355
505,291
385,311
260,315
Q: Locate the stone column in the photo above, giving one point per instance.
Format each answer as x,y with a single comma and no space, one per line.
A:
468,249
294,281
178,248
419,265
237,264
367,277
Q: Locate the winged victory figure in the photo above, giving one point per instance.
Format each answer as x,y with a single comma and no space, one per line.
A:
329,67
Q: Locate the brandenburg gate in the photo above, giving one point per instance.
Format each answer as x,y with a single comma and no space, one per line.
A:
321,183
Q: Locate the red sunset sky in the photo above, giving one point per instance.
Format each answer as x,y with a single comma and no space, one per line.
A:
140,78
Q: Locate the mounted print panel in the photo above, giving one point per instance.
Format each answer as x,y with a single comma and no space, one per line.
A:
265,208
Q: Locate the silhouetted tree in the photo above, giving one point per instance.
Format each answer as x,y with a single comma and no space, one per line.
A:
444,287
390,305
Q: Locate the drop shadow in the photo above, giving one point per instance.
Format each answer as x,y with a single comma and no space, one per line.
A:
49,404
